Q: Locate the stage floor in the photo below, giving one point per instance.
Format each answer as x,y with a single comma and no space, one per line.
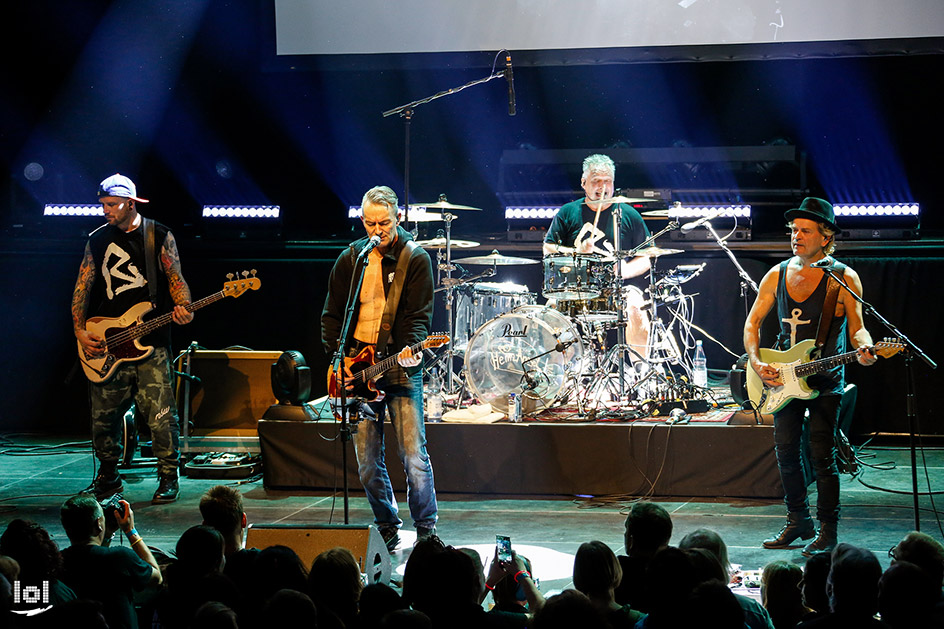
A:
38,473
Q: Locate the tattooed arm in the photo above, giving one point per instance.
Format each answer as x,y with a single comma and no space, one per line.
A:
179,291
92,343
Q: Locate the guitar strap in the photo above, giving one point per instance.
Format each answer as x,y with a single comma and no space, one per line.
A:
393,295
149,262
829,311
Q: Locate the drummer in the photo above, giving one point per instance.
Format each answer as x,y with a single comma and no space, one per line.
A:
586,227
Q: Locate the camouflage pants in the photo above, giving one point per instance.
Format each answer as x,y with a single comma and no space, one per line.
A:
147,385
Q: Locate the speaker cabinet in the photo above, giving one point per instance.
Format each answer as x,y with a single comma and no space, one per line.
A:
233,391
309,541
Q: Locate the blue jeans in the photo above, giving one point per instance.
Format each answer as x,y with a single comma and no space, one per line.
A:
788,433
404,406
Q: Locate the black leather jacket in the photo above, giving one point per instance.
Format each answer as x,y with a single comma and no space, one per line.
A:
414,316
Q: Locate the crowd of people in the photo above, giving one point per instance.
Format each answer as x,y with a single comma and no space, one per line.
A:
212,581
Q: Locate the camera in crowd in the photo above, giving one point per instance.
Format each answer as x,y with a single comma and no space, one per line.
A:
111,507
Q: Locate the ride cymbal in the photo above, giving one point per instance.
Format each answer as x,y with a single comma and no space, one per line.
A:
495,258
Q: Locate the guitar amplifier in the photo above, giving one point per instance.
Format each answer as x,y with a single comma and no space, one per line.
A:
228,395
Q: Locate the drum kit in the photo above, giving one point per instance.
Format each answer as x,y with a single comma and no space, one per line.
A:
562,352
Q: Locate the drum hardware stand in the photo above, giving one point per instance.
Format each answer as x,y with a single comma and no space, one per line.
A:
621,352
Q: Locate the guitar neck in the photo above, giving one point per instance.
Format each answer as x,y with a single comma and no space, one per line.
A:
150,325
818,366
387,363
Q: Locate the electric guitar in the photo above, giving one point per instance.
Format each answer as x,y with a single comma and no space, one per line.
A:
121,334
795,366
366,370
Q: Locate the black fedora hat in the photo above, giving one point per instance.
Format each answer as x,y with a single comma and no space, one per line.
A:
816,210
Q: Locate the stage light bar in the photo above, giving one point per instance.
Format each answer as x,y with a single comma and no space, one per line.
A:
69,209
241,211
354,211
530,212
876,209
698,211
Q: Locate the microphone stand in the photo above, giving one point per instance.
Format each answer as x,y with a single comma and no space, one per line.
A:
337,362
406,112
910,399
746,281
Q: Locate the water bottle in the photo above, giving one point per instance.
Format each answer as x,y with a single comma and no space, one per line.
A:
700,373
434,399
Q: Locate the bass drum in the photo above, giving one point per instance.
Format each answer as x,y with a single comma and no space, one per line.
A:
495,358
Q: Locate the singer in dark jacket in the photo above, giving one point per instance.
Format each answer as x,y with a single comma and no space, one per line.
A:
403,384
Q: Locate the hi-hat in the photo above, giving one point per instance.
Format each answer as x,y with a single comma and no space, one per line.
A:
655,252
495,258
443,205
652,215
439,243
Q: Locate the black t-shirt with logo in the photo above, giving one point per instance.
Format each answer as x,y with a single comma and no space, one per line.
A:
121,276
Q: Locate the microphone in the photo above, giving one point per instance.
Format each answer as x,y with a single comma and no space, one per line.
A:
510,77
687,227
825,263
531,383
371,244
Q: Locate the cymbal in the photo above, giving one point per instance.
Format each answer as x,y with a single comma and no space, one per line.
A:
439,243
655,252
443,205
496,258
652,215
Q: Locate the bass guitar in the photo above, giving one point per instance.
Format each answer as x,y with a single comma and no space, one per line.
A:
365,370
121,334
796,365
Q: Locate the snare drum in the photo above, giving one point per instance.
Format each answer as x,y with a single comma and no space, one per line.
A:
482,303
576,276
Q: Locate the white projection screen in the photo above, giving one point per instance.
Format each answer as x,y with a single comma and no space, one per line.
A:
372,27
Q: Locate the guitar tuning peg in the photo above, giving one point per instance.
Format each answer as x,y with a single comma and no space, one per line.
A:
245,274
253,271
229,276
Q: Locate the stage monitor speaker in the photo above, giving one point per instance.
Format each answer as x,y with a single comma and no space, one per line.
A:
310,540
233,392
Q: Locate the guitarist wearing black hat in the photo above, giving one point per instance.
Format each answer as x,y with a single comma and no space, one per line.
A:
810,305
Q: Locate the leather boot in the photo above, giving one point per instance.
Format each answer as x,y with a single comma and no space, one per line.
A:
108,481
825,541
167,490
799,525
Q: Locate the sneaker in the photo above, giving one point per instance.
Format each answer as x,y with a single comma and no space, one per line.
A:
167,490
422,532
391,538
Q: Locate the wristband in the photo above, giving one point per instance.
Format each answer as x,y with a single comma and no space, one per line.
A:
521,572
137,541
132,532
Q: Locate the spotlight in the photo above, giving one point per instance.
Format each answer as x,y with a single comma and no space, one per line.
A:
291,386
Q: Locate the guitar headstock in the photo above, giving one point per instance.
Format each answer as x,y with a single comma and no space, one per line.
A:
239,285
888,347
436,339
